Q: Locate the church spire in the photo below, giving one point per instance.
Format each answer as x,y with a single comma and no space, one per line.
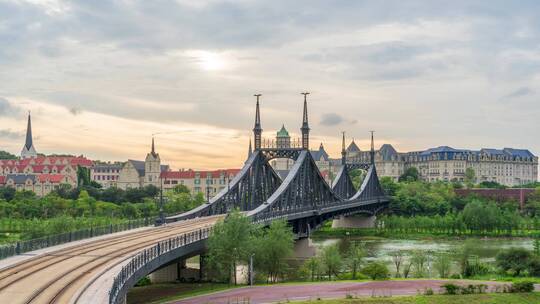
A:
153,147
257,130
372,151
305,125
28,144
250,151
28,149
343,152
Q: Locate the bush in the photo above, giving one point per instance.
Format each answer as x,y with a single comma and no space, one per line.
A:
451,289
144,282
376,271
428,292
523,286
513,260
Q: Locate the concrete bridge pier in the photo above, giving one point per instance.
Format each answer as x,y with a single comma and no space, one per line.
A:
355,221
177,271
304,248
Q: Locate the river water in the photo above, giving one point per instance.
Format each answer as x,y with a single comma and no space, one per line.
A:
381,249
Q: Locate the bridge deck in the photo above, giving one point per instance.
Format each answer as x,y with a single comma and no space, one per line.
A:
59,276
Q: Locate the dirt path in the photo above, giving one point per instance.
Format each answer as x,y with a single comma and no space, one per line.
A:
270,294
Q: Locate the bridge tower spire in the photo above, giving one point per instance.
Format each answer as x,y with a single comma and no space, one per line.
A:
372,151
343,151
257,130
305,125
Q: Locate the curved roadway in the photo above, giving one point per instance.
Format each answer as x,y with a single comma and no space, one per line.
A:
59,276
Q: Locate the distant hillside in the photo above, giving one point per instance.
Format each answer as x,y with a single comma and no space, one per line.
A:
7,155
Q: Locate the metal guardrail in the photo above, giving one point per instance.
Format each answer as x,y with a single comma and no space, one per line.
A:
20,247
150,254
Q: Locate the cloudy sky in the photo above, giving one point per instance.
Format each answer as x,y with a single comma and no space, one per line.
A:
100,77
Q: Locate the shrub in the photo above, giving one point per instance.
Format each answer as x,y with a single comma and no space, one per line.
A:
376,271
144,282
428,292
523,286
450,289
513,260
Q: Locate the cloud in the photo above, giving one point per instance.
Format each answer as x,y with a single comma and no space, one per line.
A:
331,119
520,92
7,109
9,134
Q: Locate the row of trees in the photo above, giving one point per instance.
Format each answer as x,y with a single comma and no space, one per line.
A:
26,205
476,218
412,198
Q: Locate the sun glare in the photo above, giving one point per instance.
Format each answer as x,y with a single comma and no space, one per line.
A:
208,61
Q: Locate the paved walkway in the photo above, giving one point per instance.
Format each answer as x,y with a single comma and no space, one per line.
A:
272,294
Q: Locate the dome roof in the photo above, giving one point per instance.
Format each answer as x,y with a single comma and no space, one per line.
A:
283,132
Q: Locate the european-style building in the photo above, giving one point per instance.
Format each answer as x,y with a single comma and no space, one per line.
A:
507,166
137,174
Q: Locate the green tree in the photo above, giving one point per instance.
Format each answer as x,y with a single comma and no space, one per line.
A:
313,265
229,244
397,258
419,261
442,263
357,177
7,155
355,255
389,186
331,260
410,175
272,248
376,271
180,189
470,177
514,260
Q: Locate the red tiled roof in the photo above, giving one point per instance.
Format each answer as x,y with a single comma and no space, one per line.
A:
53,178
2,179
189,174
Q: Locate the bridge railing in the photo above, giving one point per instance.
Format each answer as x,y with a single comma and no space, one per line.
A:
20,247
150,254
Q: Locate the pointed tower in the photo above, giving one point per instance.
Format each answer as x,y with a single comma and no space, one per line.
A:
152,167
305,125
257,130
372,151
250,151
343,151
28,149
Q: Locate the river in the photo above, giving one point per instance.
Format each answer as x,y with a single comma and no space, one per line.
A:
382,249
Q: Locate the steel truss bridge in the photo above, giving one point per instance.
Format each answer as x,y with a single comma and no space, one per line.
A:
102,270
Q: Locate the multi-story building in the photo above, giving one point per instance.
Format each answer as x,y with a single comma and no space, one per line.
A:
106,174
206,182
507,166
137,173
40,173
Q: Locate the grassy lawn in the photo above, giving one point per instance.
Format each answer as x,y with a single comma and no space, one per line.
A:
499,298
161,293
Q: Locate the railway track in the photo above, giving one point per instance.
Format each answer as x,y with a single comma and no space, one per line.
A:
56,277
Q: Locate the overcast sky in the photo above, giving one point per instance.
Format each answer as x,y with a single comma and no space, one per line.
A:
100,77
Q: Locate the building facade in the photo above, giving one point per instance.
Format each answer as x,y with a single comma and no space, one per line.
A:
138,174
106,174
507,166
206,182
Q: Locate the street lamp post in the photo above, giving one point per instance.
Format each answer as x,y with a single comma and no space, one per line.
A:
161,219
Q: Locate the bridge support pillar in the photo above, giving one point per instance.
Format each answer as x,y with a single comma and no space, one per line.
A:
357,221
304,248
169,273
